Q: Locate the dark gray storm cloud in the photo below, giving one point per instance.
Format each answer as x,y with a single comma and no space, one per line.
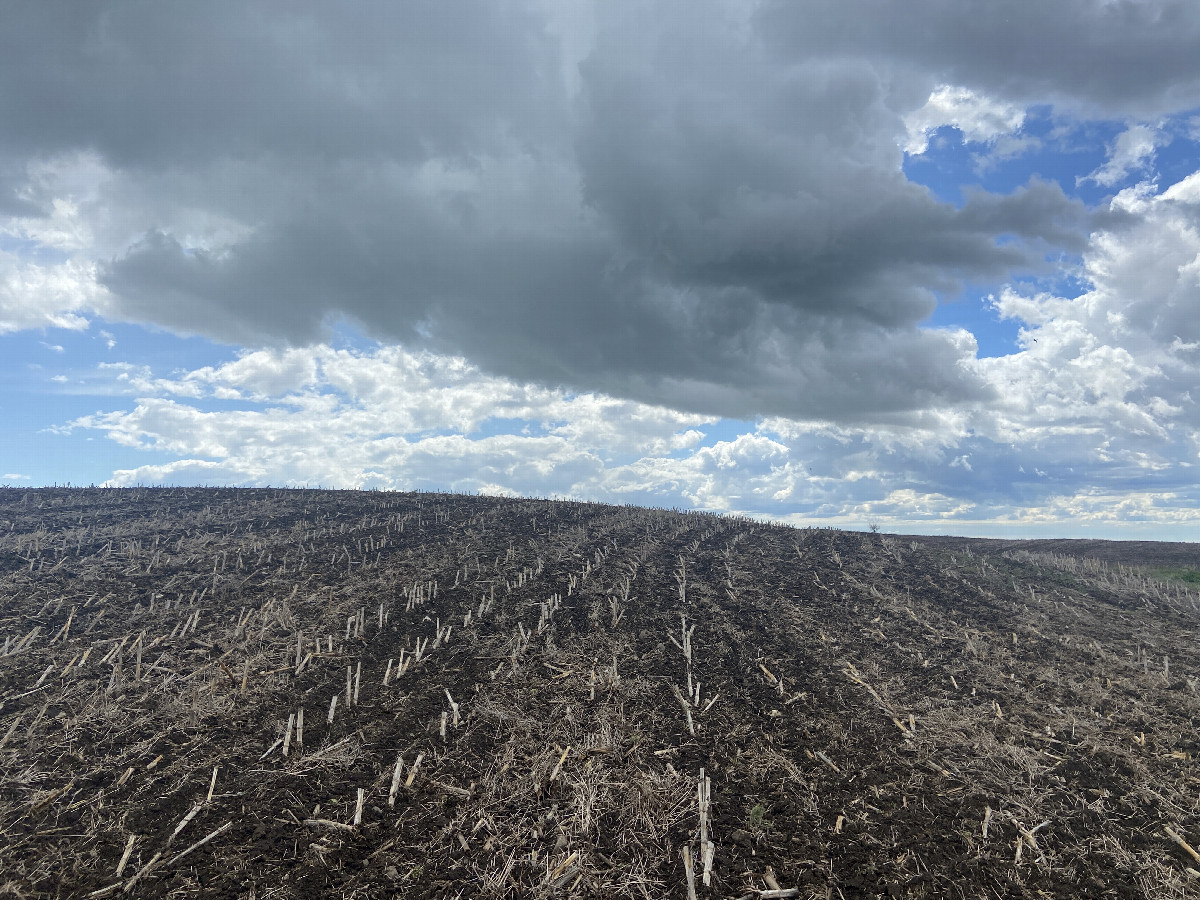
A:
697,205
150,84
1113,57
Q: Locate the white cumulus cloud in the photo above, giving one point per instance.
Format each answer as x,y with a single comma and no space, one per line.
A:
56,295
1132,152
978,117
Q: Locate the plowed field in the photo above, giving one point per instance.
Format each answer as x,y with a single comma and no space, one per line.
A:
267,694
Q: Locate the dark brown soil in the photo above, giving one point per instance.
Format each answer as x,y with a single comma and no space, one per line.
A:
875,716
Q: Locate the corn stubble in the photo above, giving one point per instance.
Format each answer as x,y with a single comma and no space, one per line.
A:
512,698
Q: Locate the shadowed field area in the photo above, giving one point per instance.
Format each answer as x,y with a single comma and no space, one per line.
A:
269,694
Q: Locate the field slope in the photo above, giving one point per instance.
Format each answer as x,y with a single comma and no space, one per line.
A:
267,693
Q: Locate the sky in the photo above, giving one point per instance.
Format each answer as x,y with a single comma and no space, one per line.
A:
930,267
